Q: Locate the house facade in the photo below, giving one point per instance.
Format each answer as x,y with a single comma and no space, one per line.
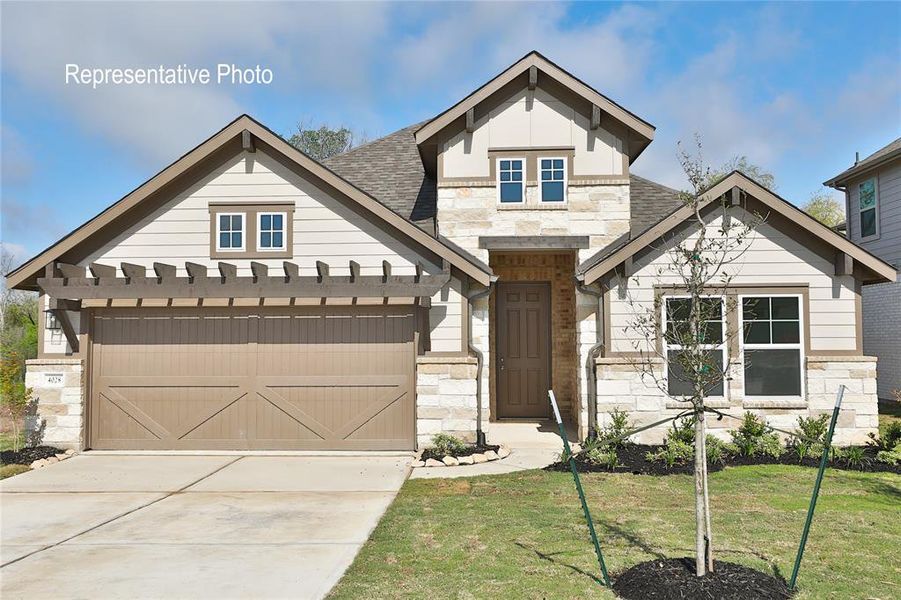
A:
438,279
872,188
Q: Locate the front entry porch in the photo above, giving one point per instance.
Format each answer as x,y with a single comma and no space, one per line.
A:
532,319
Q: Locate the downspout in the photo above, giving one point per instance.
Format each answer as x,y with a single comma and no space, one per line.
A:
480,359
591,368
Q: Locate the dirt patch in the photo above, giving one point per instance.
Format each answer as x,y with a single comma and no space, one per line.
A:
632,459
675,579
26,456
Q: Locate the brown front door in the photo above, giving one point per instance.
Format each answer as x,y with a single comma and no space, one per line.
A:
523,349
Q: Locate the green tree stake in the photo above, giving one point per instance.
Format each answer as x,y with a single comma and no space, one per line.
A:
816,487
572,466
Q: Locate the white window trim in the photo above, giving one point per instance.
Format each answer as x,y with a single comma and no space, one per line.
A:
875,208
243,216
497,170
799,346
723,346
284,230
565,181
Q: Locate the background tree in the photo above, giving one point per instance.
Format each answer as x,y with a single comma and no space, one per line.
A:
324,142
697,269
741,163
15,398
823,207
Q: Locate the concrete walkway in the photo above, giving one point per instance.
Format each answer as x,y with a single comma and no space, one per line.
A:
190,526
533,445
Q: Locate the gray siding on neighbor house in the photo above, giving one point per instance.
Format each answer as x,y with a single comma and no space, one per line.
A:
887,245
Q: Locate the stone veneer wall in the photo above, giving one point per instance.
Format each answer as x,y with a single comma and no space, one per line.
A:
446,397
620,386
60,409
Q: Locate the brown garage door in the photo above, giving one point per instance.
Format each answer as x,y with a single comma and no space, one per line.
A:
323,378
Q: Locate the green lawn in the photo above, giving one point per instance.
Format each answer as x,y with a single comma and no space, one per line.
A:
522,535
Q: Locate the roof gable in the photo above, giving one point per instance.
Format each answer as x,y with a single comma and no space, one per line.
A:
598,266
641,129
233,134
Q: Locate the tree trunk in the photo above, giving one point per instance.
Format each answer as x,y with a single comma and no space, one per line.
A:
708,555
700,513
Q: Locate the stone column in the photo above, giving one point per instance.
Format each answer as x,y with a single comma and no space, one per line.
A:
58,386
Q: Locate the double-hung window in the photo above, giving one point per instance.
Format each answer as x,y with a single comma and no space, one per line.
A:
271,231
868,206
772,345
511,184
677,335
552,173
230,232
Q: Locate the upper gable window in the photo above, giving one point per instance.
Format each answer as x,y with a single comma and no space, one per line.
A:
868,206
271,227
510,188
552,172
230,232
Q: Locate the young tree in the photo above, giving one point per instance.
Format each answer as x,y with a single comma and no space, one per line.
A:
823,207
697,270
324,142
15,398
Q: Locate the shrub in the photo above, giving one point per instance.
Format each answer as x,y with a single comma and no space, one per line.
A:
754,438
447,445
603,458
15,398
673,452
889,439
814,429
610,435
855,457
717,450
890,457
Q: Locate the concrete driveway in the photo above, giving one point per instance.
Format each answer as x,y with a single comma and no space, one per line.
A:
186,526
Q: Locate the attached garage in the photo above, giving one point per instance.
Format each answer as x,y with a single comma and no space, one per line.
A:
315,378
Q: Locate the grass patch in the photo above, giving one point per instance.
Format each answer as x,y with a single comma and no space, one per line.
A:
10,470
523,536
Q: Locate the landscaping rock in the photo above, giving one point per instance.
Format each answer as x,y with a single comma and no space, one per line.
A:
434,463
52,460
465,460
61,456
39,463
479,459
491,455
503,453
418,463
69,452
450,461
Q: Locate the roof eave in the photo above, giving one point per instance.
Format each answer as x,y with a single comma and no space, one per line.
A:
842,178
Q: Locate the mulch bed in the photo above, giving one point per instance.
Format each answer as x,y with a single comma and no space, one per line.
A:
675,579
26,456
632,460
470,450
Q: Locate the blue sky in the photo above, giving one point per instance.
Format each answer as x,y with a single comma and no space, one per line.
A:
797,87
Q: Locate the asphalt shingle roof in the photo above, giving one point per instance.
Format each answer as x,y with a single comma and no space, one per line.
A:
883,153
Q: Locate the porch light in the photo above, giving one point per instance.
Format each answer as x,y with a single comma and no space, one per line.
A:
51,323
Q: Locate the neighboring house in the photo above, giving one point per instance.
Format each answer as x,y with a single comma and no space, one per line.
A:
437,279
872,190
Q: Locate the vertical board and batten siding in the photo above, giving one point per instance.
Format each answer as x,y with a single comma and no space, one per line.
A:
324,228
772,257
533,119
446,318
888,189
317,378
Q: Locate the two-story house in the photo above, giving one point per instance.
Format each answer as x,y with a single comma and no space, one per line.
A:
438,279
872,188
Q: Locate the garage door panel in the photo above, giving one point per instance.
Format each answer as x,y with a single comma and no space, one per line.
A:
235,378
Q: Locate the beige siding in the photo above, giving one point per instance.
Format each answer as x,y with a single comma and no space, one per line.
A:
324,228
533,120
773,257
446,318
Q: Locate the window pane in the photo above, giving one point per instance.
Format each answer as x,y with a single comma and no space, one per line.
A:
236,222
713,333
505,165
755,309
786,332
545,164
223,223
223,240
558,175
545,176
558,163
552,191
517,165
277,240
236,240
757,333
785,308
265,221
276,221
678,309
772,372
517,175
680,384
711,308
867,193
266,240
868,222
505,176
511,192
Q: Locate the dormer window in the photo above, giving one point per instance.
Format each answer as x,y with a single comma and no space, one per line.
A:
271,227
230,236
552,173
510,188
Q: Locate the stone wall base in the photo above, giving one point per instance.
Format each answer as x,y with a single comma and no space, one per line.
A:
621,386
446,397
58,386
